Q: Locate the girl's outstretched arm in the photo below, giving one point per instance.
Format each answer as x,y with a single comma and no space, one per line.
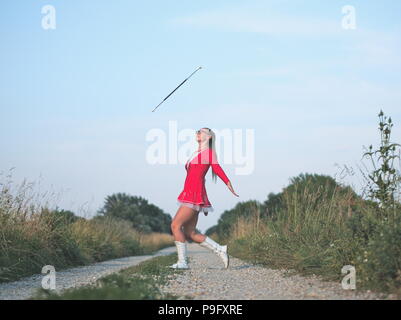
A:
217,169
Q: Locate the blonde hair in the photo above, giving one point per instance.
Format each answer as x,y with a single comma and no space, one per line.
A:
212,146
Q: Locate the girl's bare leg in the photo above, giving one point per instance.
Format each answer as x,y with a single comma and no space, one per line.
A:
189,229
183,215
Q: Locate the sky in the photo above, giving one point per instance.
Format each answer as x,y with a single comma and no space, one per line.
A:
76,101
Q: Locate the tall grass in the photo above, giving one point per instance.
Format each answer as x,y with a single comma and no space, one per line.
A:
32,235
319,237
151,242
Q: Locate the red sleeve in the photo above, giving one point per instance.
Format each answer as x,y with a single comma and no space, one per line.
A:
216,167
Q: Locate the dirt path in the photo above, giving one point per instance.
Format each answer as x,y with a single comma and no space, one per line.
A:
207,279
74,277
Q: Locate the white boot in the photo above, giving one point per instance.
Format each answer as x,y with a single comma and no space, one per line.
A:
221,251
182,256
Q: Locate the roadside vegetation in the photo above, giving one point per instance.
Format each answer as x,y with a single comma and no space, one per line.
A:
317,225
33,235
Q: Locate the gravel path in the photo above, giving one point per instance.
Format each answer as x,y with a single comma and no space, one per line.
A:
74,277
207,279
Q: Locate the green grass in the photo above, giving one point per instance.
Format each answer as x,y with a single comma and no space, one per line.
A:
27,245
32,236
320,240
140,282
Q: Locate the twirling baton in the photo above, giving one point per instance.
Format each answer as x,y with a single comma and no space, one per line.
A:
176,88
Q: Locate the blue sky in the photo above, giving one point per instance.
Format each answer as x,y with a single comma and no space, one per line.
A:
76,101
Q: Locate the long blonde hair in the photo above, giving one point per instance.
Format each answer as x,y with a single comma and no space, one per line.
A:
212,146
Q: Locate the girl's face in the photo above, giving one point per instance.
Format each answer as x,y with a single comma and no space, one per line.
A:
202,135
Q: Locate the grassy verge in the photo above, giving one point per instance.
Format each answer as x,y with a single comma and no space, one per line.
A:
321,240
32,236
140,282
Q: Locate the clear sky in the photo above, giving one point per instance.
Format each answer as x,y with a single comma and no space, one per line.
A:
76,101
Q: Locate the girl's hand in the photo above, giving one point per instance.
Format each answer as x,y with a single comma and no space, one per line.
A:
231,188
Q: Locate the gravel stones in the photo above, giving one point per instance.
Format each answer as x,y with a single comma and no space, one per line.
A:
207,279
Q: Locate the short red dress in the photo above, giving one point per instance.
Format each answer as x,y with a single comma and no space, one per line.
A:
194,194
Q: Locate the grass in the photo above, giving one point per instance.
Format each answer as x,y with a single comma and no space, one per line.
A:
321,240
32,235
140,282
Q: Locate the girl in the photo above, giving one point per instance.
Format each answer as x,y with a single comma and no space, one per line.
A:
193,199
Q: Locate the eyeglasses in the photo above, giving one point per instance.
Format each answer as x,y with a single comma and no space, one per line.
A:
200,130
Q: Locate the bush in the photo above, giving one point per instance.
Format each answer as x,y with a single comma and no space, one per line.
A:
380,261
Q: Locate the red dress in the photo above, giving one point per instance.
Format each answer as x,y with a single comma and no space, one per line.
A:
194,194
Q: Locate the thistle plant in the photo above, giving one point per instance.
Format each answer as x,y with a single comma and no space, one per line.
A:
384,180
